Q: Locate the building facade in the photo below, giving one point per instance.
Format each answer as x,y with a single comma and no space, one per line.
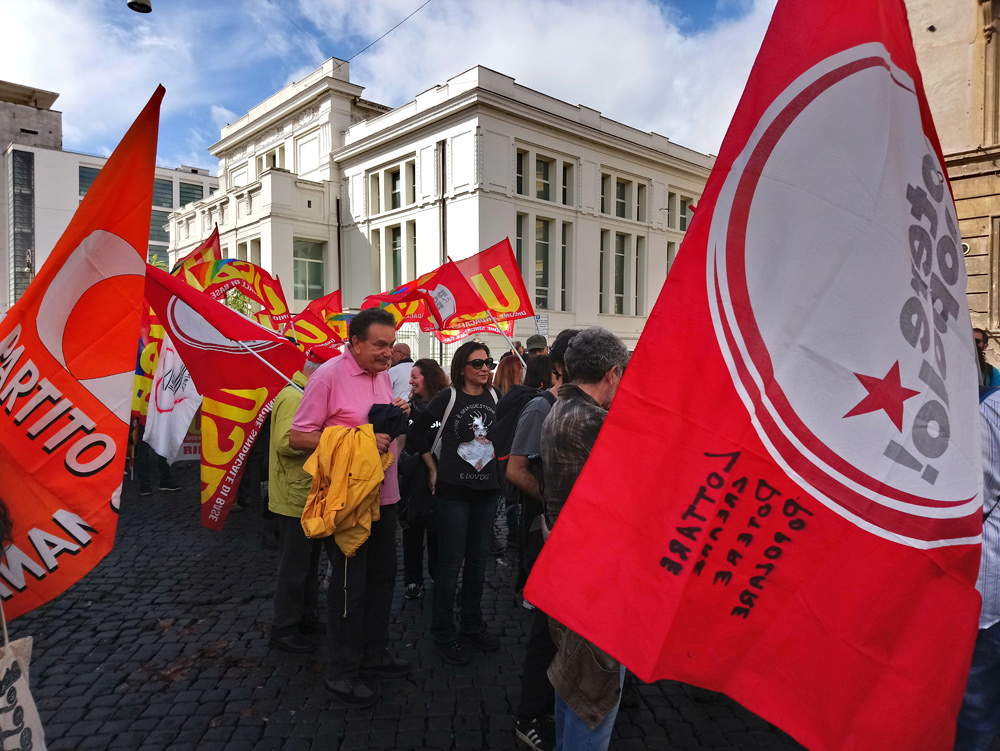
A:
42,187
328,190
958,49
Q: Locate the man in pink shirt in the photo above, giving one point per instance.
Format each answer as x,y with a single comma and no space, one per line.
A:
342,392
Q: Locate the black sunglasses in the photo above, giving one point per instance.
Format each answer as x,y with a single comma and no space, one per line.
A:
479,363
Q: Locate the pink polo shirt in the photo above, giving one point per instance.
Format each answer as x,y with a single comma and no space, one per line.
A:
341,393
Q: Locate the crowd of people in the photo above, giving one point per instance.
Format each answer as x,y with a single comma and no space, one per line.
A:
397,444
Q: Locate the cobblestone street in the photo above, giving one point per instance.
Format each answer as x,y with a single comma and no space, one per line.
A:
165,645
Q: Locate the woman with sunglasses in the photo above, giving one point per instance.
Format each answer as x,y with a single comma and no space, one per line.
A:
463,475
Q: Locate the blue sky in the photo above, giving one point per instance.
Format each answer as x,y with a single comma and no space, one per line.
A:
673,66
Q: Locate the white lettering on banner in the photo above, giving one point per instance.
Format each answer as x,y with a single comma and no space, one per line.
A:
47,547
229,481
28,390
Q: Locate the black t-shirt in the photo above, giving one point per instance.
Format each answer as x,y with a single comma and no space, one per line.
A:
467,458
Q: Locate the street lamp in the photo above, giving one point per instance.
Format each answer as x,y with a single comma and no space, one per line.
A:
141,6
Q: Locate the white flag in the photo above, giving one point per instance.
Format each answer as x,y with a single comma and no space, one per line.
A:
173,402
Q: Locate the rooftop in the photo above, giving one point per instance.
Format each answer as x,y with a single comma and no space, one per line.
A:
29,96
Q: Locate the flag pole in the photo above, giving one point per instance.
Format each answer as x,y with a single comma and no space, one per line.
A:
496,323
286,378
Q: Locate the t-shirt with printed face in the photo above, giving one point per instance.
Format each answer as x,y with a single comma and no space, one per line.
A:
467,456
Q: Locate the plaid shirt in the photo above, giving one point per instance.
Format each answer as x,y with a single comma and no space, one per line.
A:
583,676
568,435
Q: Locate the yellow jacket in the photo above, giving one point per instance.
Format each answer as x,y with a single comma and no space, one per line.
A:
347,472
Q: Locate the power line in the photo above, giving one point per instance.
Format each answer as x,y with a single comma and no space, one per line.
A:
373,43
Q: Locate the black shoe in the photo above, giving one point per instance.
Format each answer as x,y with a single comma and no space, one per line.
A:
169,487
292,642
538,733
386,666
484,640
352,692
454,653
312,627
413,592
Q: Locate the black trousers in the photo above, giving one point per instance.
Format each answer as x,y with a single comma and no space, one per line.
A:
145,458
297,590
537,696
413,550
360,597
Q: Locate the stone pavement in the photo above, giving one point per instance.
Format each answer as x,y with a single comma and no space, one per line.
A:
165,645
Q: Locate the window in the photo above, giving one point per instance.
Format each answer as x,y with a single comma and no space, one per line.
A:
163,193
307,267
621,243
87,177
255,251
395,256
241,251
685,208
157,256
640,203
564,249
376,245
395,184
271,159
411,182
21,230
671,254
567,184
543,172
157,233
190,192
639,275
373,194
603,281
519,241
411,248
521,157
605,187
623,192
238,177
542,227
672,210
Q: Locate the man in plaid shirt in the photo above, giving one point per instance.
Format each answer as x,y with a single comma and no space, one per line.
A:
587,681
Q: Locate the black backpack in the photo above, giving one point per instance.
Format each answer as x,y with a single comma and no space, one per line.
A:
501,433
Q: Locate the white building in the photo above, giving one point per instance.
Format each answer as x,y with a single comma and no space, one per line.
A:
42,187
328,190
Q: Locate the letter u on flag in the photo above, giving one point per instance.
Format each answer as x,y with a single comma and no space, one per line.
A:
67,360
799,422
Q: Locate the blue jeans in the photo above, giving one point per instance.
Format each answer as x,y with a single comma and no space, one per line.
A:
573,734
463,530
979,719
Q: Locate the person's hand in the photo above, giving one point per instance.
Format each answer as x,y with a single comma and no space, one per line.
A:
382,440
432,478
402,404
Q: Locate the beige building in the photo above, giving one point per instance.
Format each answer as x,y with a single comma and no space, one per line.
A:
958,48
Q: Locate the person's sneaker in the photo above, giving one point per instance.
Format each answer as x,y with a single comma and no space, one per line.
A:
145,493
352,692
484,640
538,733
292,642
413,592
170,487
386,665
454,653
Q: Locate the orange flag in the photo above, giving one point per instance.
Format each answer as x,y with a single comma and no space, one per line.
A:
67,356
210,250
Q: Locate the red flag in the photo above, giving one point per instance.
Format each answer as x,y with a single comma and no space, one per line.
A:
67,360
330,303
445,291
238,367
218,277
210,250
496,277
799,422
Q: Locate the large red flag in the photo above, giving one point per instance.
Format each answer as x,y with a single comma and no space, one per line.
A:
447,294
67,360
496,277
237,366
799,422
210,250
218,277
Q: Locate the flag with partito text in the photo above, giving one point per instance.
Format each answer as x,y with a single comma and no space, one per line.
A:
67,364
802,522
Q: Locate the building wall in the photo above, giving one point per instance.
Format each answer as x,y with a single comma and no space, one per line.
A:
30,126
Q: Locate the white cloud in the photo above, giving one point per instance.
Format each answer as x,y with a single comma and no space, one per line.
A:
626,58
221,116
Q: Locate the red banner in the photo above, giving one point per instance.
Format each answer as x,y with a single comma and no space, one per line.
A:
237,366
445,292
210,250
496,277
218,277
67,361
799,421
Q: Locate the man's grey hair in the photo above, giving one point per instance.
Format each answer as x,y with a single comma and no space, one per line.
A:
592,353
401,348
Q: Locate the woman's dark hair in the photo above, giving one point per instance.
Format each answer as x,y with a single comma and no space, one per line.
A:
359,325
539,372
458,361
434,378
